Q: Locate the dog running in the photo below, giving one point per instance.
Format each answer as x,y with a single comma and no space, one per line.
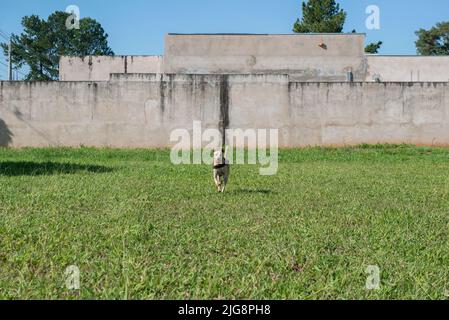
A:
221,169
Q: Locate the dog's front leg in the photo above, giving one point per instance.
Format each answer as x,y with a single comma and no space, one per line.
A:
225,179
224,183
217,181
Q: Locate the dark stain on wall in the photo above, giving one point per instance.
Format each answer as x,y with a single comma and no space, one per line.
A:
162,89
166,88
5,134
224,106
93,87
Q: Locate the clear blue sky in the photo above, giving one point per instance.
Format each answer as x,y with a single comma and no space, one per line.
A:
138,26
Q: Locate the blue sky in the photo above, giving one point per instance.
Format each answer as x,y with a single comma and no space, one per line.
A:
138,26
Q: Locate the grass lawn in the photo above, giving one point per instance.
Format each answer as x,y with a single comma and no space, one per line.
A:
138,227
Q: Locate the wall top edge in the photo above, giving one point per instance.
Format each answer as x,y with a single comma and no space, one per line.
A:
266,34
218,77
402,56
115,56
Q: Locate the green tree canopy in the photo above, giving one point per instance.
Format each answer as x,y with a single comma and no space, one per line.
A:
325,16
373,48
320,16
42,42
435,41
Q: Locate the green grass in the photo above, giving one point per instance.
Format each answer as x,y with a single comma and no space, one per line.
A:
140,228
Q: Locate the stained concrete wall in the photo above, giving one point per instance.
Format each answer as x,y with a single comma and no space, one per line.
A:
143,112
305,57
99,68
408,68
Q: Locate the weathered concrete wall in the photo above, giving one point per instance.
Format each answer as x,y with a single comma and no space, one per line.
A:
99,68
408,68
119,114
348,114
305,57
144,111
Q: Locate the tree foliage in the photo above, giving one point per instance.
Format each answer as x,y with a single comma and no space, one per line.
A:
320,16
42,42
435,41
326,16
373,48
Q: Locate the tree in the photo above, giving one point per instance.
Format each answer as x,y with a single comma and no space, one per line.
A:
373,48
320,16
44,41
325,16
435,41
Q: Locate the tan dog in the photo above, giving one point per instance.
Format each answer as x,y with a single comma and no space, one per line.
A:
221,169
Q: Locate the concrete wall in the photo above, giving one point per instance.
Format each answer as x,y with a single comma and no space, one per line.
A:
99,68
142,110
299,55
408,68
304,57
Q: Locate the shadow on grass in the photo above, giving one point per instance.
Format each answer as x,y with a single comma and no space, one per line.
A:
23,168
253,191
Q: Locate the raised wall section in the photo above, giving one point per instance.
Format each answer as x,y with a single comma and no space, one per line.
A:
99,68
305,57
408,68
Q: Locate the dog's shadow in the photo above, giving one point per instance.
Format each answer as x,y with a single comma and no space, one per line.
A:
252,191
